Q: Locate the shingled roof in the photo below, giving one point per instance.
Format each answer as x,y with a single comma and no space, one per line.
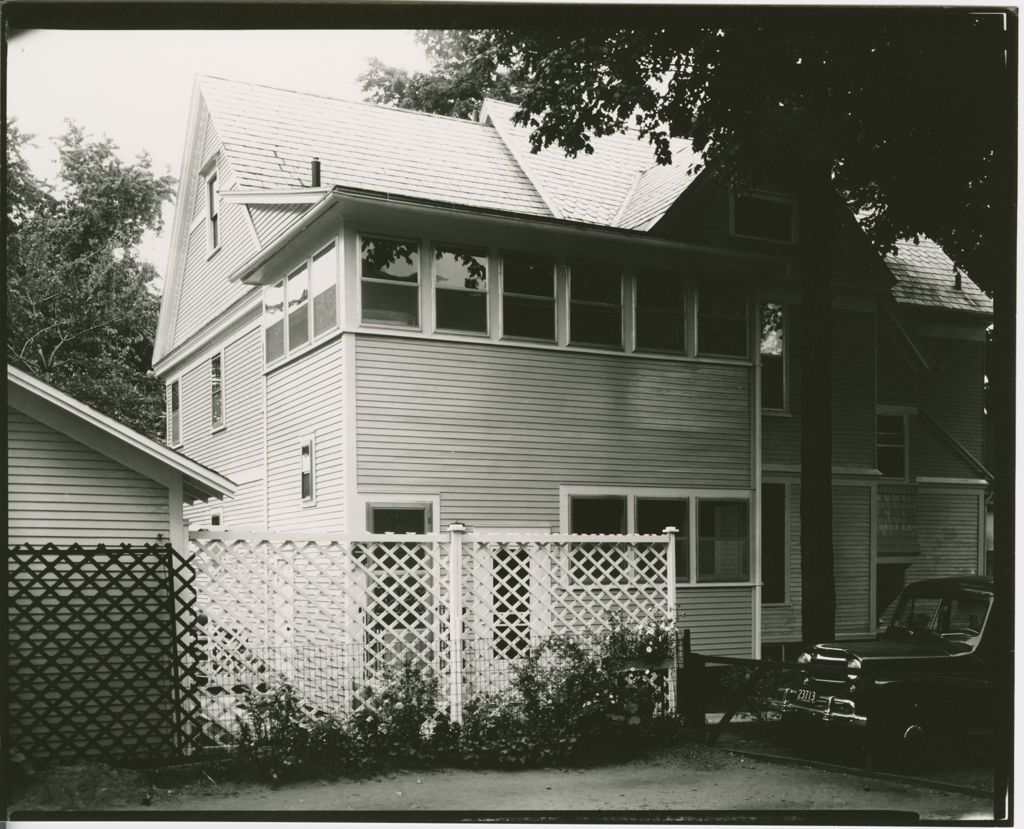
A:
270,135
926,277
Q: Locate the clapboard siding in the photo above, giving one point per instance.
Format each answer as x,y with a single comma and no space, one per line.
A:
851,540
495,430
948,532
720,619
932,454
271,219
853,395
306,397
203,289
61,491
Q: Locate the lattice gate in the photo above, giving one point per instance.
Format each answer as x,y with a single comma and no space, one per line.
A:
333,617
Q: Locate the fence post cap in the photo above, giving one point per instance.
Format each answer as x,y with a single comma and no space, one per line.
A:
670,530
457,527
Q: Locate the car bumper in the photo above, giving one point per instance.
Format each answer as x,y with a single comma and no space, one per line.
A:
827,709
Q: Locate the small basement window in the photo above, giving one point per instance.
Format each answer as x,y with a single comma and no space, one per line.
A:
390,281
460,279
403,519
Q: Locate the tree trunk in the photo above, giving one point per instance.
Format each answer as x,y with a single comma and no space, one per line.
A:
817,615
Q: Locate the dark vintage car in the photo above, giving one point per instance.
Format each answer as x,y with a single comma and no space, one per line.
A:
927,676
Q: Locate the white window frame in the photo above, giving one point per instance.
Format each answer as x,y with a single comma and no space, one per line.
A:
568,270
422,248
905,413
486,292
400,501
787,599
764,195
171,441
692,495
310,441
212,207
553,261
313,338
223,424
761,301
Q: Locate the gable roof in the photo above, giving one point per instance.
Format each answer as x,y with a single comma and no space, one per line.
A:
200,482
926,277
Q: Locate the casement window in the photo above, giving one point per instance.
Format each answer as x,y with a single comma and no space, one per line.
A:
460,284
174,413
399,518
760,216
723,540
595,305
390,281
288,324
307,471
528,297
891,445
773,357
216,391
722,321
773,544
212,213
660,312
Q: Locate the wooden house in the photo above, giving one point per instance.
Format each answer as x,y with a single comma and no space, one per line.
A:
378,320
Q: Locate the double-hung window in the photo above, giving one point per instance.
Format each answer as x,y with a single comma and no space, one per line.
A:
660,312
460,280
288,324
891,445
216,391
773,357
212,213
307,480
174,413
722,322
390,281
595,305
528,297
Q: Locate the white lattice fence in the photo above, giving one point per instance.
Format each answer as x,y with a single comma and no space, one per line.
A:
332,617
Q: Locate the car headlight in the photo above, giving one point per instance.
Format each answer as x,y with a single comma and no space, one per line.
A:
852,667
803,659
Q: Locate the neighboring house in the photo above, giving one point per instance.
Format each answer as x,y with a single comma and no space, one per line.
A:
450,328
77,476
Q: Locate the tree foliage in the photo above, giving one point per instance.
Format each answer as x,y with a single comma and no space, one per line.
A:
81,305
462,76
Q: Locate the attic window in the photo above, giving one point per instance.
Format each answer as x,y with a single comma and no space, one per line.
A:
212,212
772,218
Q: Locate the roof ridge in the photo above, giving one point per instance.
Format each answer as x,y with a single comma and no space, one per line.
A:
405,110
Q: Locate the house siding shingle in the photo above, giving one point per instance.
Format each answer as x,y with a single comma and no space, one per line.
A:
498,429
61,491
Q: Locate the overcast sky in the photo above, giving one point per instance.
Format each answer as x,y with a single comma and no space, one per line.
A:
135,86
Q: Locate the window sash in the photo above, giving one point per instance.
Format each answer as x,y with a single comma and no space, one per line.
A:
773,356
891,445
380,290
723,555
216,392
175,429
720,332
379,514
307,490
213,210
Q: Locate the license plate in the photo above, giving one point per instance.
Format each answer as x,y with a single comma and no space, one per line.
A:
804,695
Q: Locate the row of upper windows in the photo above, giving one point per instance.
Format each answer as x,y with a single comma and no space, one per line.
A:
305,304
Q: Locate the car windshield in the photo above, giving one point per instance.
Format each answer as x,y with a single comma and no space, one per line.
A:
956,620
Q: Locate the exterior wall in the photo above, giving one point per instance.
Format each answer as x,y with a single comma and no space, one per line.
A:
203,290
950,531
61,491
306,398
720,619
495,430
851,540
853,395
236,450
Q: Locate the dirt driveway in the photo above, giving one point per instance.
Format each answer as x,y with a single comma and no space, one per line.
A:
687,777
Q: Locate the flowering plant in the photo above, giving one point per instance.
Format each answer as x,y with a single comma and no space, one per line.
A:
652,641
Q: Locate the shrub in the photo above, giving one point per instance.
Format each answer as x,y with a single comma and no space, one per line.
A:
652,641
400,724
759,701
